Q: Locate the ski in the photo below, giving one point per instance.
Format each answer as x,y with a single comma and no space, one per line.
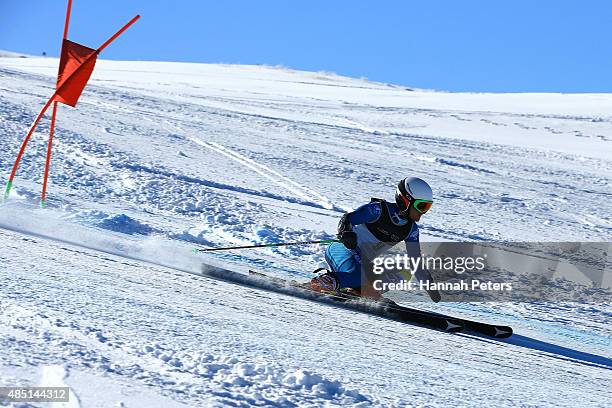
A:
394,311
387,309
486,329
493,330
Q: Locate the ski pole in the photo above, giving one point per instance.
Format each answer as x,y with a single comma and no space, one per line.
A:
325,241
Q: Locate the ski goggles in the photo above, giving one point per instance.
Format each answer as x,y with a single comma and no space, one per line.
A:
422,206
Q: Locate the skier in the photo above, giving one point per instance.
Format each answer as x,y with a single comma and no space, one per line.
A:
370,231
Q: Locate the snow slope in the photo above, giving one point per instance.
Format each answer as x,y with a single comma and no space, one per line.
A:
208,343
103,293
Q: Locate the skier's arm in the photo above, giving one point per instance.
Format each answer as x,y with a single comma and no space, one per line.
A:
364,214
413,247
413,250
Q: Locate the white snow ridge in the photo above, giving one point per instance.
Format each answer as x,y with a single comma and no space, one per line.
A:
101,290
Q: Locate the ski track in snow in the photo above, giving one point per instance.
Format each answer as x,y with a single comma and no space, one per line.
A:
270,174
261,155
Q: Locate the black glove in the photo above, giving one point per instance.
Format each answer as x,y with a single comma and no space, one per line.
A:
349,239
346,234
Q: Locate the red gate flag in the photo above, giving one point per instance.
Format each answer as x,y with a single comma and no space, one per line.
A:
76,65
69,86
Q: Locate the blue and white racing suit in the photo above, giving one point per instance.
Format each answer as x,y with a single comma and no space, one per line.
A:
379,227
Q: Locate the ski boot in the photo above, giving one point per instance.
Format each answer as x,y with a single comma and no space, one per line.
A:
325,282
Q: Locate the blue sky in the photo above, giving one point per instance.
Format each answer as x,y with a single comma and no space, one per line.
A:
495,46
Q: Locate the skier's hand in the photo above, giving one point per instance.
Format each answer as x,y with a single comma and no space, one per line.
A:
349,239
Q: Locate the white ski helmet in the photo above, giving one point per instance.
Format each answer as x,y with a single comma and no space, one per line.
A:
413,191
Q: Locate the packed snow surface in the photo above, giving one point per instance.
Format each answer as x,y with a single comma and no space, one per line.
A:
101,291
